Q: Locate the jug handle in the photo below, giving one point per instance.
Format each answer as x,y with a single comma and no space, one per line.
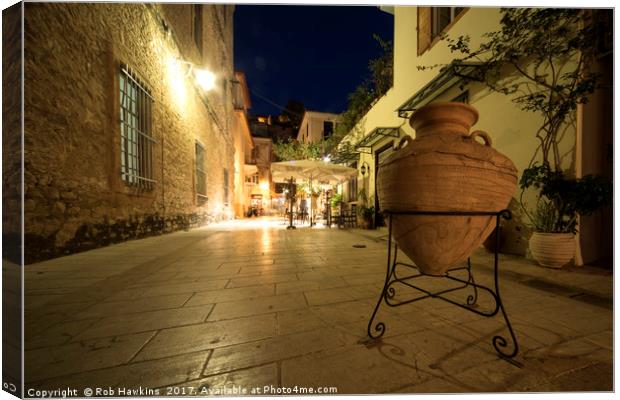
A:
402,141
485,136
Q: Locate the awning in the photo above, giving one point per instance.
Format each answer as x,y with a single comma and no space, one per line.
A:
374,136
249,169
448,76
345,158
316,170
344,153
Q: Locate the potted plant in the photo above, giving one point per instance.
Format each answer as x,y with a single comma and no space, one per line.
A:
365,213
541,58
336,200
560,201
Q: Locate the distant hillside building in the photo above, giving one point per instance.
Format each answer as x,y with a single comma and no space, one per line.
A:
276,127
317,126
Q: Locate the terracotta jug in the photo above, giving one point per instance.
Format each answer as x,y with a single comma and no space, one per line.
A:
444,169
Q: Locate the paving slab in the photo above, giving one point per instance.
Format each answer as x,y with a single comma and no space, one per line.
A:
164,372
82,356
209,335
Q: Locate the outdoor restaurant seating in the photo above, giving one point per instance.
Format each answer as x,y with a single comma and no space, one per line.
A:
345,216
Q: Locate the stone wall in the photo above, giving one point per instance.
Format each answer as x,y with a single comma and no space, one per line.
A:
75,198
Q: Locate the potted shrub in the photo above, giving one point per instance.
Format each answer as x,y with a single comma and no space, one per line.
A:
365,213
336,200
560,201
546,54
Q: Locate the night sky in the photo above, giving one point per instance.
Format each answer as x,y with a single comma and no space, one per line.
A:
314,54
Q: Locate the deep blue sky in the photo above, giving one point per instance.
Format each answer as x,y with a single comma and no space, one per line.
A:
314,54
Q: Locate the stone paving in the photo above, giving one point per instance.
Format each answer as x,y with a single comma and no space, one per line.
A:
248,304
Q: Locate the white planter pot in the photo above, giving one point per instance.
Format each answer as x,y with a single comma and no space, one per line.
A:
553,250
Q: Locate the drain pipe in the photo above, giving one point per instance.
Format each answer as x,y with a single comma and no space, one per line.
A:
578,174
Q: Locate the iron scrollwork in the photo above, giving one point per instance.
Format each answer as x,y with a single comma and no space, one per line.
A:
394,278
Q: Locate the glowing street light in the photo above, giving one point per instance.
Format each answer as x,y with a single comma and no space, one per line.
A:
264,186
204,78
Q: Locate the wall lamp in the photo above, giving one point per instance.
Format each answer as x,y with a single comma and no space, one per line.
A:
364,169
204,78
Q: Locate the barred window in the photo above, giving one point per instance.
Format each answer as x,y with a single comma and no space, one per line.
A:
136,104
201,175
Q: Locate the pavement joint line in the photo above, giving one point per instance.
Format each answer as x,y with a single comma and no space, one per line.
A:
206,363
187,300
164,308
226,371
205,376
146,331
124,364
143,346
306,299
113,284
209,313
69,340
279,373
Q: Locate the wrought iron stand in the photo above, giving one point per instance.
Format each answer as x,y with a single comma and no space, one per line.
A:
389,292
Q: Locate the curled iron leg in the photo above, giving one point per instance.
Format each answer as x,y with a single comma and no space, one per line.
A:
499,342
379,328
471,299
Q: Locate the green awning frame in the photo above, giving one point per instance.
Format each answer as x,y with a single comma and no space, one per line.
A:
448,76
345,158
374,136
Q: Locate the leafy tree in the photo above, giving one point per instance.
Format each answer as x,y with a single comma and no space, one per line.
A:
380,80
294,150
365,94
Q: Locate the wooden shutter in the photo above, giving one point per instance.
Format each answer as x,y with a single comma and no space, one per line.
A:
424,29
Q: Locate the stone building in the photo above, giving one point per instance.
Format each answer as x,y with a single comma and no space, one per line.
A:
316,126
122,137
260,184
244,144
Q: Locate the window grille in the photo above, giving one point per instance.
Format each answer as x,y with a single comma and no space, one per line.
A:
136,105
201,175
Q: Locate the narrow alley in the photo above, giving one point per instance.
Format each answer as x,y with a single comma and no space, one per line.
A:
248,305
